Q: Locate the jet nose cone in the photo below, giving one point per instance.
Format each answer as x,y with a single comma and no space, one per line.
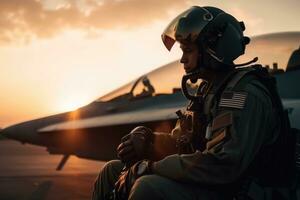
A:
27,132
11,132
23,132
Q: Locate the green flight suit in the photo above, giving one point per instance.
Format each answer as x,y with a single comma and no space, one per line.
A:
237,134
252,126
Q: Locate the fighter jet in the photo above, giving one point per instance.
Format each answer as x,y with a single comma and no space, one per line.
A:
95,130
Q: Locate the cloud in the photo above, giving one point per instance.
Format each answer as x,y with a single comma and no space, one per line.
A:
22,20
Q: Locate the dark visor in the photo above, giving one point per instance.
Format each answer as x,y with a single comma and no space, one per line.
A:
186,26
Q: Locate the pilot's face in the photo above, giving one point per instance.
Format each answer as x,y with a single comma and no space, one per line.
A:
190,56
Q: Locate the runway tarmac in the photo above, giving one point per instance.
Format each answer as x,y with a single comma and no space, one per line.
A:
28,172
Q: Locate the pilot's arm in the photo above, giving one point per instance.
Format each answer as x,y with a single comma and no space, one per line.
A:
232,148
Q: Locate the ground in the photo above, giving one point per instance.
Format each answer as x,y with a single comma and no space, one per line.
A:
28,172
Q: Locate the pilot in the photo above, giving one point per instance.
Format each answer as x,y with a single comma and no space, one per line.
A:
231,140
148,89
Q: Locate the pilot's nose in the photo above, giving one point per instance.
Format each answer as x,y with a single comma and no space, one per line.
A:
183,59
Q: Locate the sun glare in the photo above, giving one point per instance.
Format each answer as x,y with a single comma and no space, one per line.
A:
69,106
72,102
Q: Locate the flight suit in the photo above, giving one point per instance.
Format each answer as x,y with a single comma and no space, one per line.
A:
240,121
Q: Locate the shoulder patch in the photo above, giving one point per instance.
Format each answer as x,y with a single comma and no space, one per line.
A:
231,99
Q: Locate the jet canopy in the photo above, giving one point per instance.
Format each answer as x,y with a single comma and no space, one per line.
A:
161,81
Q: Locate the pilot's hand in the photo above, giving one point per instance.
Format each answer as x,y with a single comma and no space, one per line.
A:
136,145
128,178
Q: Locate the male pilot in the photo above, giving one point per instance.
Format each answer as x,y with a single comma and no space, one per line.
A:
228,138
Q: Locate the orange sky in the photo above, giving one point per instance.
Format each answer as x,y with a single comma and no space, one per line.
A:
56,55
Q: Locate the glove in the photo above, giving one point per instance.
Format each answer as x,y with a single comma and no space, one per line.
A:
135,146
128,178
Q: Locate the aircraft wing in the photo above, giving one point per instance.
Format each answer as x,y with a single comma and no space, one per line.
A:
98,137
133,117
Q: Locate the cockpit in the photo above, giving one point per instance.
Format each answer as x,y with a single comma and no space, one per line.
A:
162,81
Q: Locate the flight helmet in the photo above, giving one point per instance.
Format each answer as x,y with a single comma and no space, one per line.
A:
218,35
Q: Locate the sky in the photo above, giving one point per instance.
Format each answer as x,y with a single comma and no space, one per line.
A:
56,55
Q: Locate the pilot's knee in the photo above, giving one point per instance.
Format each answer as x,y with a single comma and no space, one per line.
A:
146,187
113,166
106,179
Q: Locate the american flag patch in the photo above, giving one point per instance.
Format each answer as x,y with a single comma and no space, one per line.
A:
233,100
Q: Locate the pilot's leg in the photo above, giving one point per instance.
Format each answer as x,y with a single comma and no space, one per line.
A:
106,179
158,187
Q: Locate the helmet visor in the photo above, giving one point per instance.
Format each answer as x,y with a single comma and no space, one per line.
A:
186,26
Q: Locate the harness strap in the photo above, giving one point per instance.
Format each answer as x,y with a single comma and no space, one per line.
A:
238,76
